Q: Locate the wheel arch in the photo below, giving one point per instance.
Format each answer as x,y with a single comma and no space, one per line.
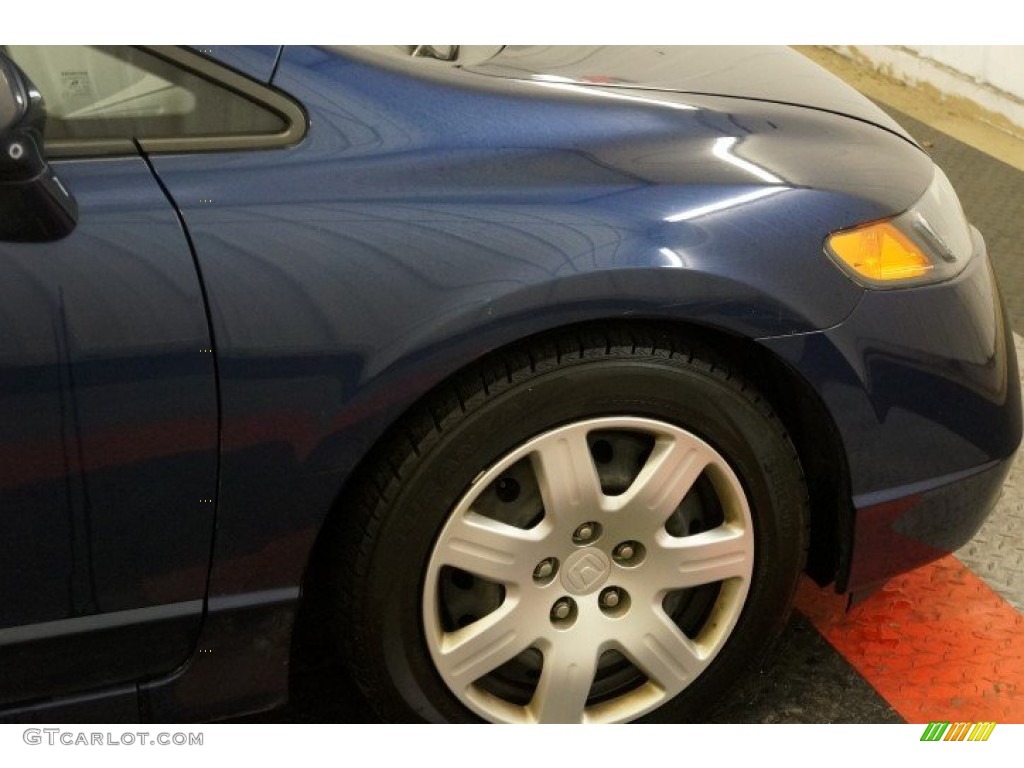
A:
804,415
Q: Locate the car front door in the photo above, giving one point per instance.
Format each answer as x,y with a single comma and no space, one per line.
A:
108,389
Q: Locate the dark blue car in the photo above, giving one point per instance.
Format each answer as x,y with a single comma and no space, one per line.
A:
534,378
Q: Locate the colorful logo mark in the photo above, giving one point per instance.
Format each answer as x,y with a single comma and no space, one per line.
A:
958,732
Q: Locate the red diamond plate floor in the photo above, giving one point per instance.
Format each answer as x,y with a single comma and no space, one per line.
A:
937,643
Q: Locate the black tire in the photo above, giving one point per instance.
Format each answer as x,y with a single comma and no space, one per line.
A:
384,539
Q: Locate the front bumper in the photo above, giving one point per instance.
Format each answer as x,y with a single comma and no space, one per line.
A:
923,387
911,530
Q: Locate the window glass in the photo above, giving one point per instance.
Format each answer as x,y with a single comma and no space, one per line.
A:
120,92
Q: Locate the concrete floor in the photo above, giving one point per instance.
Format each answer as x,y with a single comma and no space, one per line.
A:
806,679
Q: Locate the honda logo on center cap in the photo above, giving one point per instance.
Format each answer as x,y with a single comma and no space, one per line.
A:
585,571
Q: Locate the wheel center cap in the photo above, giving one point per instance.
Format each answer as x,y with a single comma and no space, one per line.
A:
585,571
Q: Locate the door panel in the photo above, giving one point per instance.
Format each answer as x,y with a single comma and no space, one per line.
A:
108,441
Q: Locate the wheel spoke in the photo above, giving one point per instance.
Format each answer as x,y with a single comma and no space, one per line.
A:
566,474
722,553
661,651
489,548
471,652
668,475
565,681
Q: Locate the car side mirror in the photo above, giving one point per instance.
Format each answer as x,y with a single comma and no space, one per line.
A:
34,206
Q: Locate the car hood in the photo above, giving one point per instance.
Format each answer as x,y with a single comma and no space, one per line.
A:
762,73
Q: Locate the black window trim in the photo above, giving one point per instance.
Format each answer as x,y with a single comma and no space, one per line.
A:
262,94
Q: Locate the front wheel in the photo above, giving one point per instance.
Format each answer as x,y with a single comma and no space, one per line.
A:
587,529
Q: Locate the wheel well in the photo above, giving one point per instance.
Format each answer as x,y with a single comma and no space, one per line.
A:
814,434
805,417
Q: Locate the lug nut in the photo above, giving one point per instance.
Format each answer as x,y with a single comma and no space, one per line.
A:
562,610
614,602
629,553
586,532
545,570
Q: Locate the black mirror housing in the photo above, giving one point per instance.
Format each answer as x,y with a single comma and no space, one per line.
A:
14,102
34,205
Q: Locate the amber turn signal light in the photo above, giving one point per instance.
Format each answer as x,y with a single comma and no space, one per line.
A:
880,252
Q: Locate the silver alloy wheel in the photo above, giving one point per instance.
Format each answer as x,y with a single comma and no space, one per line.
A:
591,575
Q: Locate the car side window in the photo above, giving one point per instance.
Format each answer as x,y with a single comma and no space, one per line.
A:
103,96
